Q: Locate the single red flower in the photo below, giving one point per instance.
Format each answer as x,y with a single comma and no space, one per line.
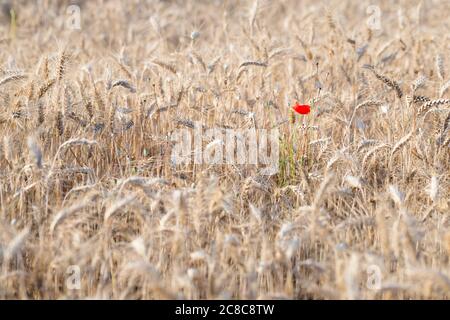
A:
302,108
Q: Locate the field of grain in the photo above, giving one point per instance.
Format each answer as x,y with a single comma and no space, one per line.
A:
92,205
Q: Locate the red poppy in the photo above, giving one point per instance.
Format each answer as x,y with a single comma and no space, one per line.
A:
302,108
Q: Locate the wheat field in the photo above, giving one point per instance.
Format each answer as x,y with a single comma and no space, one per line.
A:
92,206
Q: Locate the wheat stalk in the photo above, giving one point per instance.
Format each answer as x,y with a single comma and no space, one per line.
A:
125,84
12,78
253,63
62,63
431,104
165,66
372,152
440,67
389,82
401,143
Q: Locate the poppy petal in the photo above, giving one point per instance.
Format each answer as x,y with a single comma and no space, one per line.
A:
302,108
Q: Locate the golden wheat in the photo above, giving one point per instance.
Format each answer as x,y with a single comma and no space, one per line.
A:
88,178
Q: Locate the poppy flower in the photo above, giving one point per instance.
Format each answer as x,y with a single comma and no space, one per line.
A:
302,108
